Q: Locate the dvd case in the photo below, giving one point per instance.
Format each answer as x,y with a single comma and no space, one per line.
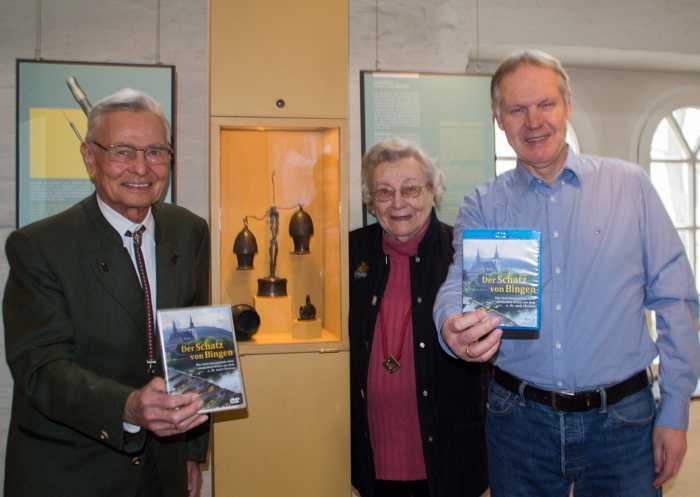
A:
200,354
501,274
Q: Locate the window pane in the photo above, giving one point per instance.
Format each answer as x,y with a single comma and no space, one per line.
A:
665,144
688,119
571,138
503,148
696,262
697,185
672,183
685,238
503,165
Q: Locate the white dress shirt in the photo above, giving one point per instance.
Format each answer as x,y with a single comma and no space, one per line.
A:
148,247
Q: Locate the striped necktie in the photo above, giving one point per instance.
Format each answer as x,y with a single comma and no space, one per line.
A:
141,268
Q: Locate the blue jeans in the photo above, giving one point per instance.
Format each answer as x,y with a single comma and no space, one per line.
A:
536,451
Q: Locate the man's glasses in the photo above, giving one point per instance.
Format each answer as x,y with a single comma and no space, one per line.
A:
408,191
125,154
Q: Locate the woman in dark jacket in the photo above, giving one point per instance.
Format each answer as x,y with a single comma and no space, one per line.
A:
417,414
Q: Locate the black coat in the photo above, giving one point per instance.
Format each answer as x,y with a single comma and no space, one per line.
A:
450,392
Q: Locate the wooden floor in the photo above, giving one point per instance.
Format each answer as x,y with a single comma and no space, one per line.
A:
687,482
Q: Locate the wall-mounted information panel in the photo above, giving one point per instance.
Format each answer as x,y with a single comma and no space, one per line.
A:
447,115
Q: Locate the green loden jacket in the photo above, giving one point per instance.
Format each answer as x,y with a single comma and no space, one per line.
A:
75,341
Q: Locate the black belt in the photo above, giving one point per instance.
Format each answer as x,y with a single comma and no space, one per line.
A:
580,401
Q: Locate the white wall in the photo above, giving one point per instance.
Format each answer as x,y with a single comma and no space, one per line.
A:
106,31
611,107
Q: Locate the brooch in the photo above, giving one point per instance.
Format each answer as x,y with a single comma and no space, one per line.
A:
361,270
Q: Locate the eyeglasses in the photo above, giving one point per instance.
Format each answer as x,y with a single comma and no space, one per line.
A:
408,191
125,154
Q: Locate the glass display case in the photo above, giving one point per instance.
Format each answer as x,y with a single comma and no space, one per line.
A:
279,233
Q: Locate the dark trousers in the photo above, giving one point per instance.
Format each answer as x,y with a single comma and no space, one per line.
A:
392,488
150,482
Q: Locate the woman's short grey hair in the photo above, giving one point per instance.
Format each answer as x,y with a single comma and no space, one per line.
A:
394,150
125,99
533,57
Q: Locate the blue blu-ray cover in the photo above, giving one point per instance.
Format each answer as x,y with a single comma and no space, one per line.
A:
501,273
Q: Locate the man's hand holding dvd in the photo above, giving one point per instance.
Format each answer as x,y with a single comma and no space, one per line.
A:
200,356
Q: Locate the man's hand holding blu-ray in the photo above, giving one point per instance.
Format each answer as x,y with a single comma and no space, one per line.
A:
472,336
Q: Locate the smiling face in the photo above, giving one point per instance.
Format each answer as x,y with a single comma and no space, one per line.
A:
402,217
128,188
534,115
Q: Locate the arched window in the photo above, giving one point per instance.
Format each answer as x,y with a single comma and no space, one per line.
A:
505,155
674,156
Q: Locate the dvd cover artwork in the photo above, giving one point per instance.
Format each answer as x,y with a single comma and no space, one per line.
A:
199,351
501,274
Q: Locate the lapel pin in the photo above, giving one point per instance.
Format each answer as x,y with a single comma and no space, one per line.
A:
103,266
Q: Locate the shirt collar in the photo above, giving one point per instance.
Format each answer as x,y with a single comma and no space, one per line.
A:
572,172
573,168
122,224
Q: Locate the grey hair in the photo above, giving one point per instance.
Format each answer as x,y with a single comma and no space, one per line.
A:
394,150
126,99
533,57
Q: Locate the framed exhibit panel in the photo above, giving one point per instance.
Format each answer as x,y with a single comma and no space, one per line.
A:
51,124
279,234
447,115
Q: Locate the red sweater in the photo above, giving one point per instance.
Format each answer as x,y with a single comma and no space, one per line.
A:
391,398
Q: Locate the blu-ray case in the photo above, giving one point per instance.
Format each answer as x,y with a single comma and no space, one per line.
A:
501,274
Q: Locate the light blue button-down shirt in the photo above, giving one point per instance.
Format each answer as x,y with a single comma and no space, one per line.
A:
609,250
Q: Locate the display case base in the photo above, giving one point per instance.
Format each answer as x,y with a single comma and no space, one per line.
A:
307,329
275,314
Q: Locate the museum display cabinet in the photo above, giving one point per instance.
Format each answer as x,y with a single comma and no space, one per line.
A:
278,105
266,175
272,180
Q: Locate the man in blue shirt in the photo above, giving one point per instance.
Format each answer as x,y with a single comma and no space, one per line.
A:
573,406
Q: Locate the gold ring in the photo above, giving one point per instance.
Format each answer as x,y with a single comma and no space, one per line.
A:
468,352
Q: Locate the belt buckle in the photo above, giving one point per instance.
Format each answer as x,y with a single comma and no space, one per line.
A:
553,402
